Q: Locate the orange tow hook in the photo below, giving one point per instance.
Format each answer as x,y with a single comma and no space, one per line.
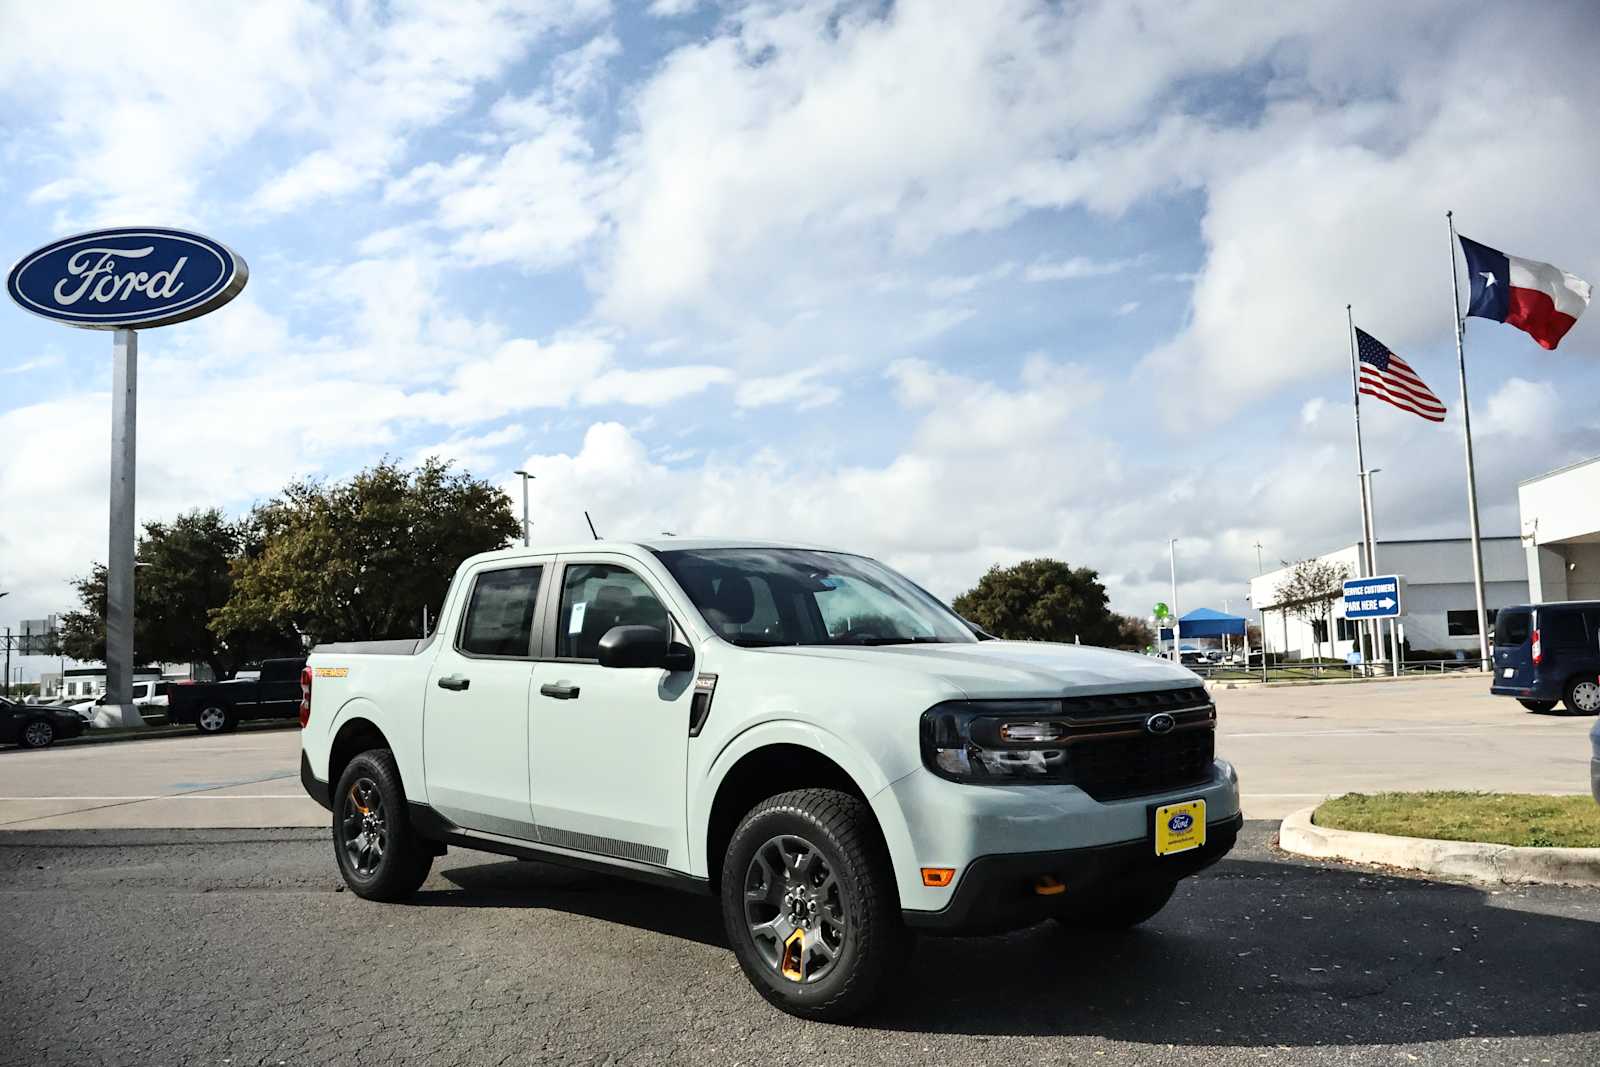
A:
1048,886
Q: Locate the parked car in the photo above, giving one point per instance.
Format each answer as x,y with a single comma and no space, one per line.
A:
148,695
699,715
36,725
1549,652
271,692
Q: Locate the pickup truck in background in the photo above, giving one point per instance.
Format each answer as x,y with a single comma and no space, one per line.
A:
217,707
806,735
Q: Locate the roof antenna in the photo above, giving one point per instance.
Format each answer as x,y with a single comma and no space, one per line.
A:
590,521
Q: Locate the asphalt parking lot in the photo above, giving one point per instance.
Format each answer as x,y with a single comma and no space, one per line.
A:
238,947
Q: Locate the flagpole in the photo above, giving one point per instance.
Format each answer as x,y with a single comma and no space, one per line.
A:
1472,475
1361,468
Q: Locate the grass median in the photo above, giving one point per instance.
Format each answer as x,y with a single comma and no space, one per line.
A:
1496,818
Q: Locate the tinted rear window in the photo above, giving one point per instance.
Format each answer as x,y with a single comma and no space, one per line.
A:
1562,628
1512,627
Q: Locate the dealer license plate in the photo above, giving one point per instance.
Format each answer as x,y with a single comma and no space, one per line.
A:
1180,827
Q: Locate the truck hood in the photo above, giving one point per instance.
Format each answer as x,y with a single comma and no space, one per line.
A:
992,669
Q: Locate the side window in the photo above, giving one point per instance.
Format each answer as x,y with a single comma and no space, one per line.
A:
1562,629
499,620
594,598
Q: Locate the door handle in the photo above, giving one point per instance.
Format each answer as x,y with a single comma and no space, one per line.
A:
559,690
455,681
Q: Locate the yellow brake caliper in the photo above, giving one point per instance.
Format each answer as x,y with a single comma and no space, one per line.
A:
794,948
356,800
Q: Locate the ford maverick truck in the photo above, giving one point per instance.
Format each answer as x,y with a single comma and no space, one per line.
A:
805,734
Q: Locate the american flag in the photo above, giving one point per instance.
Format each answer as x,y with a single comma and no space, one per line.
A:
1388,377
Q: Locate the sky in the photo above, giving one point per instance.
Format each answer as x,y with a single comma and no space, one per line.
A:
949,284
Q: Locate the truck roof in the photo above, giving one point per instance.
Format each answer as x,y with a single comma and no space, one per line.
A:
663,544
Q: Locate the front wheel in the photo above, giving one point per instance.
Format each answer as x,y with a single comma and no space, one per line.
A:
39,733
1583,695
1536,705
379,854
810,905
1121,909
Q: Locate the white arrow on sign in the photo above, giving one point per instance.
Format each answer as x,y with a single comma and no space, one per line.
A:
1386,602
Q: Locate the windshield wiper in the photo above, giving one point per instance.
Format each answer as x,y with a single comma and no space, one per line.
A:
756,642
893,641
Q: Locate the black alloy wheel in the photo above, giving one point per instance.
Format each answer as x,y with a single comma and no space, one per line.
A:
39,733
378,852
795,909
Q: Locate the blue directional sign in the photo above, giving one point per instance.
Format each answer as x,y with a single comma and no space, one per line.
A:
1381,597
129,278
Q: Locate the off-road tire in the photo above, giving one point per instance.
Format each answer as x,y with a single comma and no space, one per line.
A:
1537,705
1582,695
876,944
1119,908
405,858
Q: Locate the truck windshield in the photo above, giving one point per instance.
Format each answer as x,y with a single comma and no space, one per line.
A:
759,597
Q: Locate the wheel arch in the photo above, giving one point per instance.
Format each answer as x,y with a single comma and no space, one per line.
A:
356,734
774,758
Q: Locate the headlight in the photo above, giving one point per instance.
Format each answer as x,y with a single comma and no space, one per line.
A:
996,741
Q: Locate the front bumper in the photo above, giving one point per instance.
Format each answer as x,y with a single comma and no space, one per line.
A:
931,822
997,892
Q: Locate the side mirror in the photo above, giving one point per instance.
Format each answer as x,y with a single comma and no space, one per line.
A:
643,646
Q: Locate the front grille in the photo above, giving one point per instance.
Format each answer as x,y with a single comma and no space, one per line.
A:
1107,705
1111,754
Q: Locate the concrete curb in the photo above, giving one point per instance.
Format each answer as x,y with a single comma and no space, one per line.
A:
1472,860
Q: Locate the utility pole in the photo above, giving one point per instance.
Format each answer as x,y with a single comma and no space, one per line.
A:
1262,612
527,528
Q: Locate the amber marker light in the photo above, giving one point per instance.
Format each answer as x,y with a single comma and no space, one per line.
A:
938,877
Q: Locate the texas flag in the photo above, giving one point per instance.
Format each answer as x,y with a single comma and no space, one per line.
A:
1542,300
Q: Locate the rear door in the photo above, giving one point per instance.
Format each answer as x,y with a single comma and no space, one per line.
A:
609,745
1513,647
475,725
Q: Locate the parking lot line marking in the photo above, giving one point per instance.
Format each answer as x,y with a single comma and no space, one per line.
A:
1384,730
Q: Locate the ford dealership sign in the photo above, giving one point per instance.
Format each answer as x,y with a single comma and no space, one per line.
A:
130,278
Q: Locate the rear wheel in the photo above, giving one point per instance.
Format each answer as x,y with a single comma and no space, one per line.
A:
215,719
379,853
810,905
1119,909
39,733
1583,695
1536,705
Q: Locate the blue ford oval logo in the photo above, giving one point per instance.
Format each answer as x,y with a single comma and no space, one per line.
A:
135,277
1160,723
1180,822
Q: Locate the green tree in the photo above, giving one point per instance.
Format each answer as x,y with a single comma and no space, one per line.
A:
183,576
360,559
1041,600
1134,633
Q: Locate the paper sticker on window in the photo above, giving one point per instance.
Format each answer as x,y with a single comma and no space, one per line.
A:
575,623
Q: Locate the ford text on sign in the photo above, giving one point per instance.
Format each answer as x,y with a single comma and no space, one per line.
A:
1381,597
130,278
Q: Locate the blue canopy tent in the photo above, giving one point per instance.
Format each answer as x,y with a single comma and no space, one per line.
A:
1204,622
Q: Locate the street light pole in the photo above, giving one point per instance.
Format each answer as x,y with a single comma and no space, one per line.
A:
1262,612
526,526
1172,559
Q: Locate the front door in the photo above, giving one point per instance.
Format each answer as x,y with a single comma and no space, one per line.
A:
609,744
475,730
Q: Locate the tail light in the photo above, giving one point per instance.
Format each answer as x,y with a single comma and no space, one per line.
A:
1538,652
305,695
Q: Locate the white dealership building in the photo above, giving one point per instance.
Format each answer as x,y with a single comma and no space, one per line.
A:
1441,611
1557,557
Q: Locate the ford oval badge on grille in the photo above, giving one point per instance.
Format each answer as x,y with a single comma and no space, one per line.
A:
1160,723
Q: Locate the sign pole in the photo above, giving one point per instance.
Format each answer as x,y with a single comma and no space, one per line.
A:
119,572
1472,475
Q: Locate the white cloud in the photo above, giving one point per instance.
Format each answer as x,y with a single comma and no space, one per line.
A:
802,389
1075,267
1520,408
